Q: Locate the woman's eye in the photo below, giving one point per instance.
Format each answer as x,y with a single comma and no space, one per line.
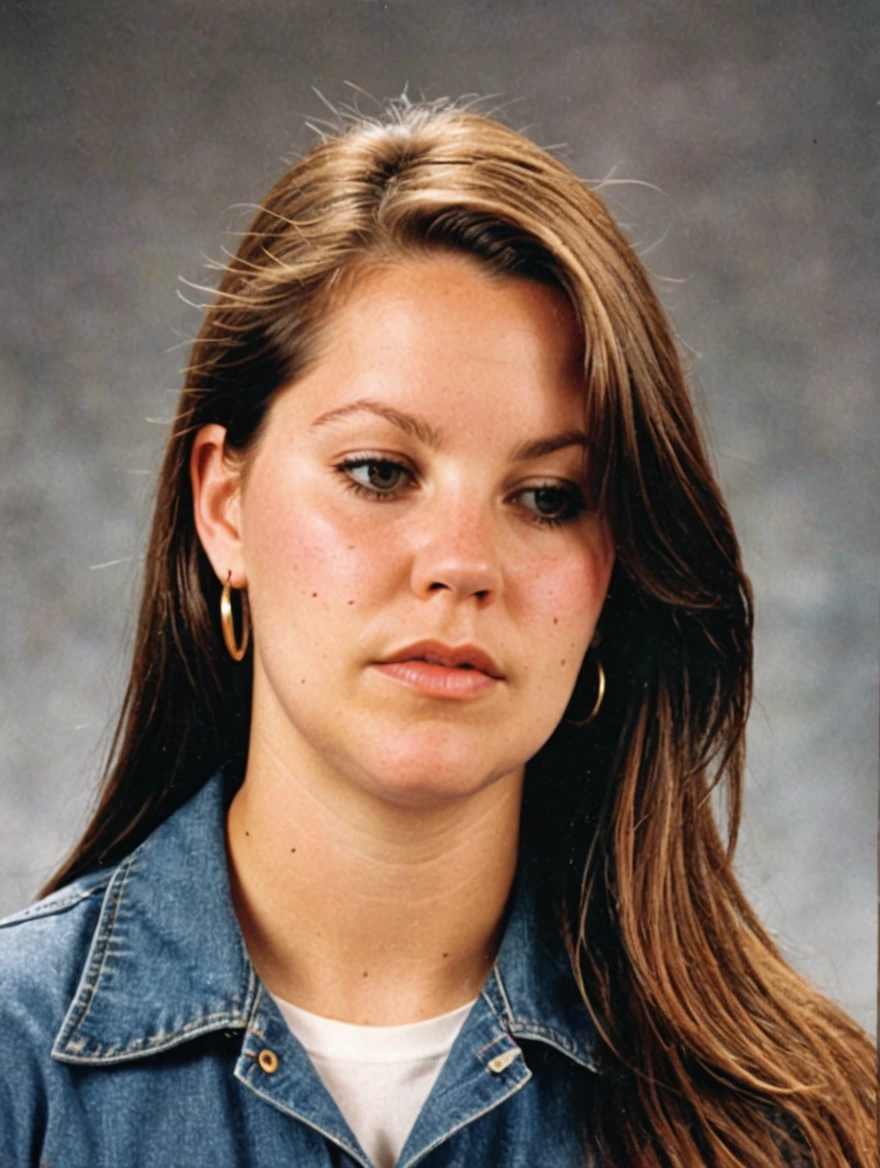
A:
553,504
375,476
384,478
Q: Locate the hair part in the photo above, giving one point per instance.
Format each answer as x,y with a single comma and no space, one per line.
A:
720,1054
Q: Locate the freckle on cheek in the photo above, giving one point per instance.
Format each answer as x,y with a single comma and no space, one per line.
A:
314,594
556,620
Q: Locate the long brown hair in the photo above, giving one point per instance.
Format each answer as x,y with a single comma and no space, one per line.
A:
720,1053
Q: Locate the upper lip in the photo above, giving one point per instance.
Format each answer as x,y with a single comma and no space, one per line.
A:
440,654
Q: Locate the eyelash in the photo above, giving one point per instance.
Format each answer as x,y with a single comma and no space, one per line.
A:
573,501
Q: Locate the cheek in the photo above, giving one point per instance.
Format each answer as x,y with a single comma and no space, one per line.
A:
565,598
566,594
309,550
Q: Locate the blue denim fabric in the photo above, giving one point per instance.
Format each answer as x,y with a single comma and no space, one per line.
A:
132,1023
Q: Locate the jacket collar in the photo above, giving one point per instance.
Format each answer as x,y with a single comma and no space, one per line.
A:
167,961
533,980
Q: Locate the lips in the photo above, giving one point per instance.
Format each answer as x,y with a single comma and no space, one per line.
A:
460,656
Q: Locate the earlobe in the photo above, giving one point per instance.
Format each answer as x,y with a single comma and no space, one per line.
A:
216,489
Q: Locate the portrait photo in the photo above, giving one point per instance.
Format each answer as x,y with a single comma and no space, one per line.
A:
409,243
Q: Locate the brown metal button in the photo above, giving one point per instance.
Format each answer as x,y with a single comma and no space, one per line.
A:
268,1061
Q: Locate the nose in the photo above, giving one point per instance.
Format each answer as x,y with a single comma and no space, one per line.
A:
457,553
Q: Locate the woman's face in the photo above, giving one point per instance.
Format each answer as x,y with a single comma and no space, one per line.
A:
424,482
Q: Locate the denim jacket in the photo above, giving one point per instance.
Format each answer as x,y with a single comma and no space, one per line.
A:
135,1031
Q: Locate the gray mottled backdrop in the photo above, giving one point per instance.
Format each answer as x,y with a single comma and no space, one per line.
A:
130,130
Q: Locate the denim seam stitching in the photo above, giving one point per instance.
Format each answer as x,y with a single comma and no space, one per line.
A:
277,1103
508,1009
522,1027
205,1025
105,939
470,1119
41,910
82,1004
138,1046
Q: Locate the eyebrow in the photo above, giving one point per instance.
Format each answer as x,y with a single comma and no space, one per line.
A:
409,423
433,437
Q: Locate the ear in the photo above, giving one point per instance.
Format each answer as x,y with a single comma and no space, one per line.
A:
216,488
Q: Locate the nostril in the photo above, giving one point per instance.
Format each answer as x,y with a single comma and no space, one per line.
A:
478,581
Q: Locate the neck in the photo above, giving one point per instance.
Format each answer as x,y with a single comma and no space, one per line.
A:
366,911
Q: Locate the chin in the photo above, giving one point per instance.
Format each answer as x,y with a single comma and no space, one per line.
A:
436,774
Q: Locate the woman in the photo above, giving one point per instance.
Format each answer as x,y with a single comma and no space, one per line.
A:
442,593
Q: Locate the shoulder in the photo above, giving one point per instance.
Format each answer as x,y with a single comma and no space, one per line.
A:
43,950
41,939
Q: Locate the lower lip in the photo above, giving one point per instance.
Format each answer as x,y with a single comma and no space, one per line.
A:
440,681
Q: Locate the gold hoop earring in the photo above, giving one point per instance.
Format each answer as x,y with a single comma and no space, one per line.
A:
600,694
227,623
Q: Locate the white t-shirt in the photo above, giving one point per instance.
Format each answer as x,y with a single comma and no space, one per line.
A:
379,1076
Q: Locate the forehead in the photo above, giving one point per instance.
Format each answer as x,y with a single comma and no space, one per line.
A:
442,334
439,290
